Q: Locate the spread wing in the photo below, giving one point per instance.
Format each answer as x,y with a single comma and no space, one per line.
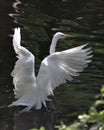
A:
59,67
23,73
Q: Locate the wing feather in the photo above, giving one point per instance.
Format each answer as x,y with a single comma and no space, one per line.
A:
59,67
23,73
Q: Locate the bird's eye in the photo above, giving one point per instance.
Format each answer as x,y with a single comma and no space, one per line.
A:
62,35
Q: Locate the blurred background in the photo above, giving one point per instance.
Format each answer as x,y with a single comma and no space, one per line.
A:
39,20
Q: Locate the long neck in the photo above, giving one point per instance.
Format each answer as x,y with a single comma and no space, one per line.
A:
53,45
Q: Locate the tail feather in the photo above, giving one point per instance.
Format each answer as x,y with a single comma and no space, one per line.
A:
31,99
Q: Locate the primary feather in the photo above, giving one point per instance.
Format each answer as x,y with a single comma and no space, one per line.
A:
55,69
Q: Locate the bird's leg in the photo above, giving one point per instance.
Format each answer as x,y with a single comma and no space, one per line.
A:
25,109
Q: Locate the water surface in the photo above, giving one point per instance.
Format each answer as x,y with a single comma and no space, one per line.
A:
39,22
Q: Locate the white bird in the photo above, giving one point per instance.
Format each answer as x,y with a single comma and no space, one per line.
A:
55,69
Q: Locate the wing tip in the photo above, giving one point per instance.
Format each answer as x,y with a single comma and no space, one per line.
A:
16,30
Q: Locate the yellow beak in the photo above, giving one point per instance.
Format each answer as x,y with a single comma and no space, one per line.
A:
68,35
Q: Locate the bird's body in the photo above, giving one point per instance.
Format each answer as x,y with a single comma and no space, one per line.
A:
55,69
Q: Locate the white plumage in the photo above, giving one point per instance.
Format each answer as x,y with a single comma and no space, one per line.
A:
55,69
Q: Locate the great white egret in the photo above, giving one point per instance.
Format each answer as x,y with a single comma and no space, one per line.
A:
55,69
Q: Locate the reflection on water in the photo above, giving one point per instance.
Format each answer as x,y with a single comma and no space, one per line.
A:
26,121
39,22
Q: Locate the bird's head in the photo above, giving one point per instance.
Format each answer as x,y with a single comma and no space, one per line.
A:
60,35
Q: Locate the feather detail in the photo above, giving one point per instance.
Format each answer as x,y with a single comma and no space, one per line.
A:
55,70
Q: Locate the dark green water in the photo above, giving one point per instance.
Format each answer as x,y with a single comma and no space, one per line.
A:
39,20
